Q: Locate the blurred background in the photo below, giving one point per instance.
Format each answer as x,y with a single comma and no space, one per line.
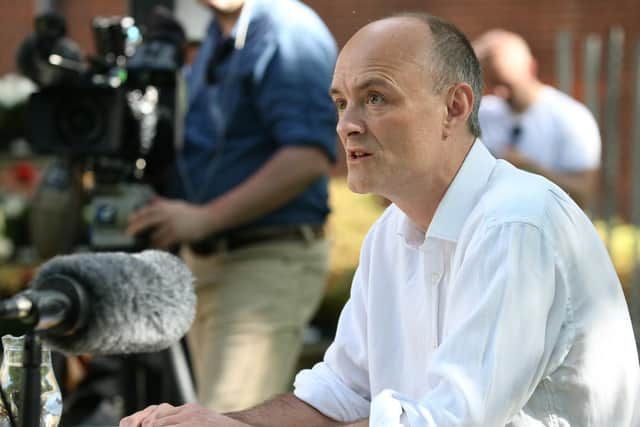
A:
587,48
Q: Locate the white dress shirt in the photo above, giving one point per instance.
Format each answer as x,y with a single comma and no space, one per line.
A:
556,132
507,312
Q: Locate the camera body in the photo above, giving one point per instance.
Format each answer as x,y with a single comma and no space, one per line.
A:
79,121
109,210
112,120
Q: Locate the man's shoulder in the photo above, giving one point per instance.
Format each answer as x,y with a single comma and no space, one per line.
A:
514,195
292,35
292,18
562,104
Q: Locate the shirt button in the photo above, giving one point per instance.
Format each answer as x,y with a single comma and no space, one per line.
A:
435,277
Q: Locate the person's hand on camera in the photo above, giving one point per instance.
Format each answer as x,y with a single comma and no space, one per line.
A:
170,222
187,415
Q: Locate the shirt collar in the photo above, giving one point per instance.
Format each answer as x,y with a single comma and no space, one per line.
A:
255,9
463,193
459,200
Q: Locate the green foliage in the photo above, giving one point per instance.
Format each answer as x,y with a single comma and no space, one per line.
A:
351,217
622,242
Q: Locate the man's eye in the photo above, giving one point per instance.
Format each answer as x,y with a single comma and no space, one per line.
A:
375,98
340,104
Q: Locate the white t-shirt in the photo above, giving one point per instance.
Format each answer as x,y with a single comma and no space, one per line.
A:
556,132
507,312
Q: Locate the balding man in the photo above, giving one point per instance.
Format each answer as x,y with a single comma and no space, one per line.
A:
532,125
484,297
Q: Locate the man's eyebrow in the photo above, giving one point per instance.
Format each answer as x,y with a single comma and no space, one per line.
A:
372,81
365,84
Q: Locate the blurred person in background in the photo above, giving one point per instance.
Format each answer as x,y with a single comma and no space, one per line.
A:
484,296
247,197
533,125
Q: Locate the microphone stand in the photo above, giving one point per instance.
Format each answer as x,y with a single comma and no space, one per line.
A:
30,408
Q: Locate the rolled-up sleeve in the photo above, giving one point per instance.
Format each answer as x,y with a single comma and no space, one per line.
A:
293,94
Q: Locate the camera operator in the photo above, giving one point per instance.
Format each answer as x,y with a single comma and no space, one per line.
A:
247,196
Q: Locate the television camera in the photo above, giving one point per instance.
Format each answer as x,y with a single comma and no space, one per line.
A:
111,121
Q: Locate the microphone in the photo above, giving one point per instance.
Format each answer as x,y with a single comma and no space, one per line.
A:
108,303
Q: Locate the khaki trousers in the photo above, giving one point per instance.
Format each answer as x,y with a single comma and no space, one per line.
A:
253,306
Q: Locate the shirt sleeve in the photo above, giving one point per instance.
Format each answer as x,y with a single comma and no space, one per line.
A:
580,141
507,309
293,94
339,385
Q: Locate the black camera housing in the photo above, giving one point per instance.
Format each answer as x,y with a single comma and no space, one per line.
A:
78,121
114,116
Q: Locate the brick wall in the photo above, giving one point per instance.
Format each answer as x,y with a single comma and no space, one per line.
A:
79,14
16,21
537,21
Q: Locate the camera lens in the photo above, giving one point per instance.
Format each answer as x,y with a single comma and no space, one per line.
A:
105,214
81,121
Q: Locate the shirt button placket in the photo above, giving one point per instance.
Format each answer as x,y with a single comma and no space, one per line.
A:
435,279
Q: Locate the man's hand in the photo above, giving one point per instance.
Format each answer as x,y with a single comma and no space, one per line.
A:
189,415
170,221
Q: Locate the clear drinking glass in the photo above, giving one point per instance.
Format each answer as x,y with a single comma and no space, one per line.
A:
12,380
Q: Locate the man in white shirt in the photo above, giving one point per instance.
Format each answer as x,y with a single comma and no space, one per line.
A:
484,296
532,125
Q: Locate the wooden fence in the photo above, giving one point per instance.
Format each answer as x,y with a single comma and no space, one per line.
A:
596,71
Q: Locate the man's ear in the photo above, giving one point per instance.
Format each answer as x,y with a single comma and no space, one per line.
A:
459,107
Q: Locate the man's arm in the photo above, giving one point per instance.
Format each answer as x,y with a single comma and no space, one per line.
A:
289,172
288,411
282,411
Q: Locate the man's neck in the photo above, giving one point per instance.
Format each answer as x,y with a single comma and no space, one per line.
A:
421,200
526,97
226,21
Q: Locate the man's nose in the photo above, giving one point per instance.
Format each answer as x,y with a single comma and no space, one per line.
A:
350,123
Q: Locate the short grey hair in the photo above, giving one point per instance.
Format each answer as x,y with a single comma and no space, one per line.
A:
452,61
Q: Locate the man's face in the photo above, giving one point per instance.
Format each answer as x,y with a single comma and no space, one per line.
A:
508,69
497,79
389,120
224,7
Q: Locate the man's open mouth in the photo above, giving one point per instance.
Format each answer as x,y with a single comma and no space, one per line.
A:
358,154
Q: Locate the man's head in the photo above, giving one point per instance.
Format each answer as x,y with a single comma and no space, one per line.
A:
508,66
407,90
